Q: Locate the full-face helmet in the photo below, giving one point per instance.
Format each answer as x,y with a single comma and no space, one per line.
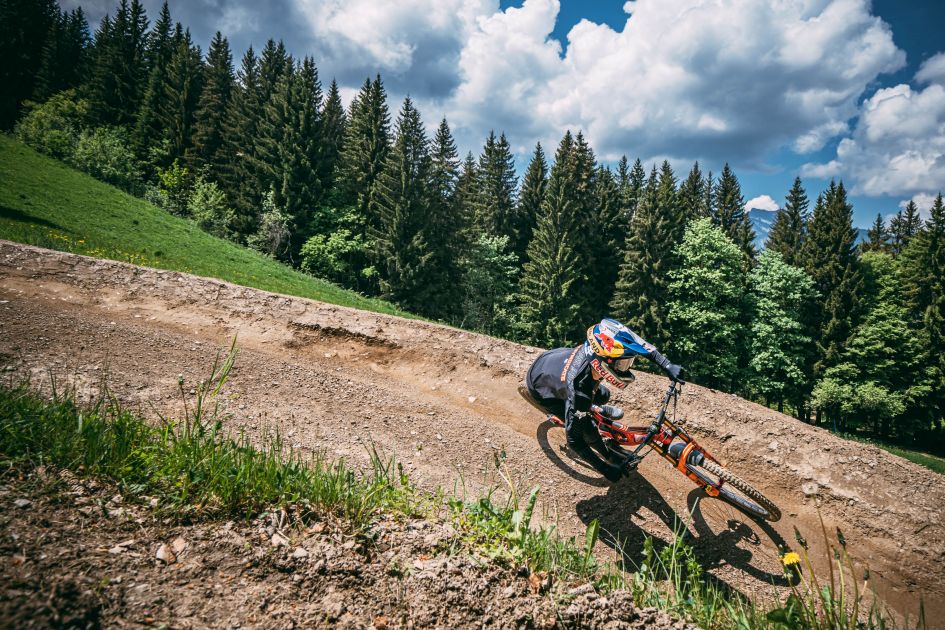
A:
614,347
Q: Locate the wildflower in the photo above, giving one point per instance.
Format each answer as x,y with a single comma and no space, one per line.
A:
790,558
841,538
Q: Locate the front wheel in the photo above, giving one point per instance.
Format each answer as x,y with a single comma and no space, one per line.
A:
736,491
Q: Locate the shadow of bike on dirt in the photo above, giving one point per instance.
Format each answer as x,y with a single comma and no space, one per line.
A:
634,496
732,541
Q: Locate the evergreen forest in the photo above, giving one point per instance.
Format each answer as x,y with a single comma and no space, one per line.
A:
263,151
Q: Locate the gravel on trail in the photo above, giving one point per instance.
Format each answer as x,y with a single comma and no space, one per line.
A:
445,402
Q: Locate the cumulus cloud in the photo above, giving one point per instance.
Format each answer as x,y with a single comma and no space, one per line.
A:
690,79
727,79
414,44
898,144
763,202
932,70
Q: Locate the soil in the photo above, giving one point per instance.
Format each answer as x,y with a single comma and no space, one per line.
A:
445,402
77,555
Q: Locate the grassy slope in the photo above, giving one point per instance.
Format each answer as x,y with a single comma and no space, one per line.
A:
44,202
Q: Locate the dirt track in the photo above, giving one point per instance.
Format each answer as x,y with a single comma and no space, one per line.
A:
445,401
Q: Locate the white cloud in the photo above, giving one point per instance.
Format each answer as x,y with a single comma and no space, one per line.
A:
414,44
723,79
710,79
932,70
898,145
763,202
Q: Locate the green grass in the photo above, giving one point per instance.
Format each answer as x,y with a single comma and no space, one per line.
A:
194,468
918,457
46,203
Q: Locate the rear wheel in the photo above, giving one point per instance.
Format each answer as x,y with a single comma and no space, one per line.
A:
736,491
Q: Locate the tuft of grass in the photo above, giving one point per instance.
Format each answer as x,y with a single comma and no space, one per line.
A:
502,531
190,463
46,203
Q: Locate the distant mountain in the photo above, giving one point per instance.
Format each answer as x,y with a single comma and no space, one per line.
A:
763,221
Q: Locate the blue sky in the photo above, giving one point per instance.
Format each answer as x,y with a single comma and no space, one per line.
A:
847,89
917,29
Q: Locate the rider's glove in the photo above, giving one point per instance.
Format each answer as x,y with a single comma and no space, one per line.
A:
674,370
671,368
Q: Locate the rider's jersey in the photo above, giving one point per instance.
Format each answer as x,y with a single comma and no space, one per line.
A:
566,374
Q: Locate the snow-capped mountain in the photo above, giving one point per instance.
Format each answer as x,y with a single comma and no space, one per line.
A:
763,221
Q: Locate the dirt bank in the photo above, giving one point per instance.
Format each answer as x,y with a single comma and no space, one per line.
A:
445,402
78,556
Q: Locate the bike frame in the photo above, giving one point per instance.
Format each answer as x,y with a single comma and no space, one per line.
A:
658,436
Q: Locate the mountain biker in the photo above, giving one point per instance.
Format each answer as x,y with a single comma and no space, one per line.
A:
565,382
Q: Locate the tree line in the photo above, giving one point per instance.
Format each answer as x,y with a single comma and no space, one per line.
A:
838,334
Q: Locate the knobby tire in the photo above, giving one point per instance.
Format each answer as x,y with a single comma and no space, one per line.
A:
757,504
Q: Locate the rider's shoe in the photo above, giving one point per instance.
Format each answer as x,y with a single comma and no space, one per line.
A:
612,413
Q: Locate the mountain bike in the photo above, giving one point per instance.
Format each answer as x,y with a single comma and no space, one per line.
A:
666,436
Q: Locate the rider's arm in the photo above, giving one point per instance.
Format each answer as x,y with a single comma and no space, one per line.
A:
649,351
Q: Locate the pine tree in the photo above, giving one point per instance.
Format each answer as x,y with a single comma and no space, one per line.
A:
829,255
274,64
705,302
63,57
209,153
276,71
242,119
692,194
466,199
781,297
790,226
497,212
729,212
287,149
877,237
444,226
708,202
401,202
118,76
632,190
641,295
182,87
610,235
549,281
148,130
367,141
923,277
904,226
592,293
24,26
334,123
530,200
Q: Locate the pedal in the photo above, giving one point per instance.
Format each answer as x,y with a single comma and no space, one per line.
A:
632,462
555,420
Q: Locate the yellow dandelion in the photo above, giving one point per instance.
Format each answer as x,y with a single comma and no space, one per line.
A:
790,558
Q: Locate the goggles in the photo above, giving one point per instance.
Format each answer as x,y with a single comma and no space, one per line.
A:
622,365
